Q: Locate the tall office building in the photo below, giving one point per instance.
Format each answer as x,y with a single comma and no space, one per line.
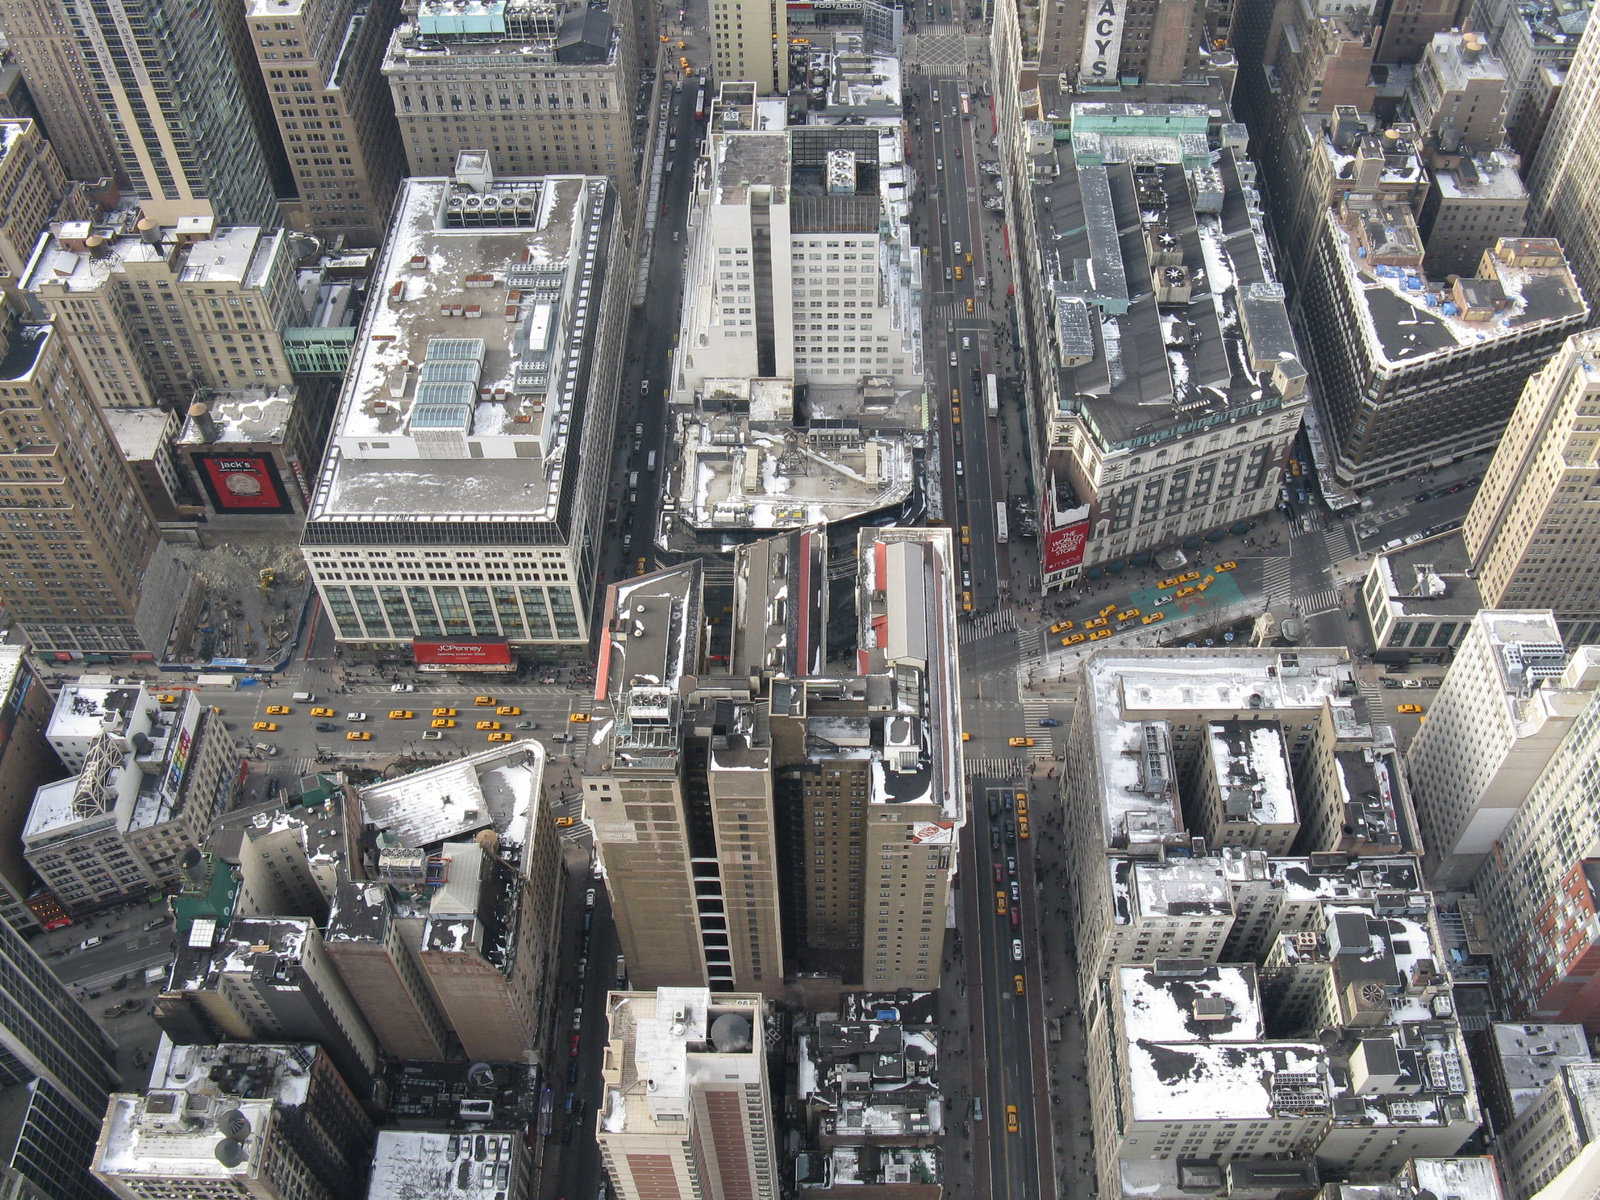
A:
1537,41
50,1046
1505,705
168,88
541,85
459,512
1413,371
678,790
80,535
320,61
32,187
267,1122
26,762
1565,202
687,1108
42,36
1532,526
751,42
1158,41
153,307
801,264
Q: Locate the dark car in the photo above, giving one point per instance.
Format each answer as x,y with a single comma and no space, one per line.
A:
1049,722
1424,497
327,727
994,837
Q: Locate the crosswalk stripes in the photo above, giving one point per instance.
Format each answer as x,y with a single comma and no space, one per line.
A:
1030,643
1278,577
994,768
1044,742
1377,705
1340,541
304,767
1320,601
988,624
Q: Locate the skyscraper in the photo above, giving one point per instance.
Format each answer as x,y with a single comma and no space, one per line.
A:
751,39
1566,204
51,1046
1534,521
40,34
77,542
165,78
320,61
1505,705
521,79
688,1108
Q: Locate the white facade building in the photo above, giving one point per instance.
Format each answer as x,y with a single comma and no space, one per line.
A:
458,509
1505,705
800,261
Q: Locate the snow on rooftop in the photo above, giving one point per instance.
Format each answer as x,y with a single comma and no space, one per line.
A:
1161,1008
1250,764
493,789
418,1164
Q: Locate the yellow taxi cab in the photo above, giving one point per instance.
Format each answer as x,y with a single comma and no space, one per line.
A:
166,698
1154,617
1127,614
483,701
1188,575
665,38
969,304
401,714
267,726
499,737
1061,627
1095,623
322,712
1185,591
1098,634
969,258
1022,806
959,274
1072,639
442,723
955,416
966,601
580,718
1019,741
488,725
278,710
1017,985
1108,610
966,534
641,568
508,710
1000,903
1227,566
1408,708
1012,1124
563,822
965,736
444,712
358,735
1022,827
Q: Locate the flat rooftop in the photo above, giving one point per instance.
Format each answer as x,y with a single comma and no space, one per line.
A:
1532,1055
1250,765
1429,579
82,256
248,416
420,1164
495,789
1491,176
467,390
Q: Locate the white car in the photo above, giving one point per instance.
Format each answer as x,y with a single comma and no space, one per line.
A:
402,687
431,735
1016,949
588,898
355,716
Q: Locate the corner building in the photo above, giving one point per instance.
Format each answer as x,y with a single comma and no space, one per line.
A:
688,1107
543,87
457,517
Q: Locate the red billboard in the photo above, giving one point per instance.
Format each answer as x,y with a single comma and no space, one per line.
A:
243,483
1064,547
482,654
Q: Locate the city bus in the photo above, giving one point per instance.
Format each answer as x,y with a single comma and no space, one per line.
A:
966,106
1001,531
700,105
991,394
